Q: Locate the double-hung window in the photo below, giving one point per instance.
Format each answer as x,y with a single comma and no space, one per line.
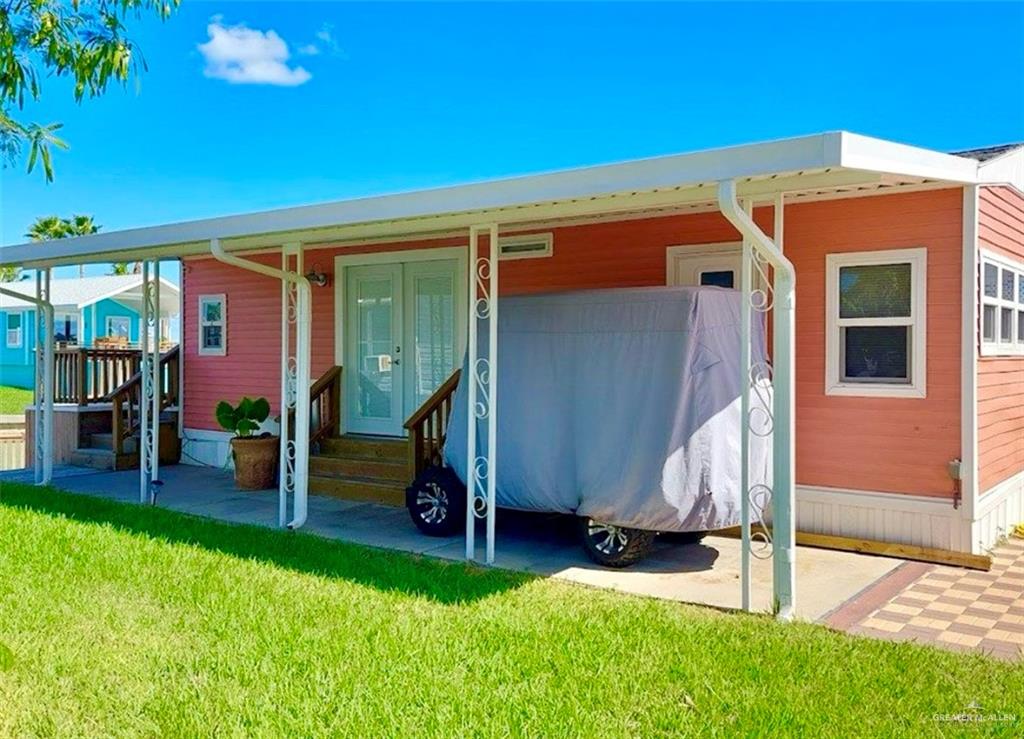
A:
13,338
213,316
875,321
1002,305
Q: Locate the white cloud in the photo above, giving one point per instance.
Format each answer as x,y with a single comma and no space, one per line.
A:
324,43
244,55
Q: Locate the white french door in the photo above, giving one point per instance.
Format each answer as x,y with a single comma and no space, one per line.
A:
705,269
403,327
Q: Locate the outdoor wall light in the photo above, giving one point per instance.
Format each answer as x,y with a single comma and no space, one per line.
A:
317,278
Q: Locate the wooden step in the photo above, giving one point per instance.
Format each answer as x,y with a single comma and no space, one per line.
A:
358,488
366,447
363,467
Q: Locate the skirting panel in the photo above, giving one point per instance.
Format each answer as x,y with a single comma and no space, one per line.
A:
886,517
999,509
204,448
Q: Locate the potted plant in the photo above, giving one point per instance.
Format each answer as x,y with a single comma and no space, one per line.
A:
255,456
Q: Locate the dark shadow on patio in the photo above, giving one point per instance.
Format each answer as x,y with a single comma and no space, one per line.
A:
398,572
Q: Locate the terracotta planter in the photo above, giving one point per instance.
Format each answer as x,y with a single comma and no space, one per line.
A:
255,461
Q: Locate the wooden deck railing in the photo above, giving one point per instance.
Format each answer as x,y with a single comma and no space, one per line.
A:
127,398
428,427
85,376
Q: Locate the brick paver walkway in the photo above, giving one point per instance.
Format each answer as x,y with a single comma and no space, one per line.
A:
947,606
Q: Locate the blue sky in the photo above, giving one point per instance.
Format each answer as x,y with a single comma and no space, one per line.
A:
405,96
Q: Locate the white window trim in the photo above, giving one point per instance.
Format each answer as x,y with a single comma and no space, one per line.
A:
19,342
918,259
222,350
1000,348
548,239
108,320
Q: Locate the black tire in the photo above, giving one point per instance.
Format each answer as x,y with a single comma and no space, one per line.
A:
615,546
436,501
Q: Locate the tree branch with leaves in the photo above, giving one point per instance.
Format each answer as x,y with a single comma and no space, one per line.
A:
83,40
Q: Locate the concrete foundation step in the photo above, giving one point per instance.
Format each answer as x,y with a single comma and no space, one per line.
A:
100,459
106,441
358,488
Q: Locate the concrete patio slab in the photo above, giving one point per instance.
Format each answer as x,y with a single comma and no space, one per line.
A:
707,573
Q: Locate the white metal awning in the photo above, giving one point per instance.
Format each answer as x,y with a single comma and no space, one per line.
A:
809,166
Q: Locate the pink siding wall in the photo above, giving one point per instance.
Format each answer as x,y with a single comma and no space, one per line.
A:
894,445
1000,379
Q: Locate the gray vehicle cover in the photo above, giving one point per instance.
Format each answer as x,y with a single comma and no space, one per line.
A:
622,405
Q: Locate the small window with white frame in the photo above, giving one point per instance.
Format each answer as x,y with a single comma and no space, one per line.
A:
14,330
213,321
118,327
1002,305
875,323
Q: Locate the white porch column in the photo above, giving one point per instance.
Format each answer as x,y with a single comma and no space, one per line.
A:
43,393
779,296
44,380
149,400
482,390
295,380
746,282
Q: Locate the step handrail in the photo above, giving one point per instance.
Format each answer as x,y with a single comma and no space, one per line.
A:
325,405
428,426
127,396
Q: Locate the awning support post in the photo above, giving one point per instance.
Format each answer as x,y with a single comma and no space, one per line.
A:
296,307
765,253
43,422
292,323
482,390
746,283
149,401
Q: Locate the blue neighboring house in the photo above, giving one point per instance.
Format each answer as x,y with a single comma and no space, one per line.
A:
85,308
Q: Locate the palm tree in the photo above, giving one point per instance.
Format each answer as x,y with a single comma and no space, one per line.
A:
47,228
80,226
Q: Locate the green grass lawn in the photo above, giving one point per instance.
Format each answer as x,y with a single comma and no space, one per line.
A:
14,399
122,620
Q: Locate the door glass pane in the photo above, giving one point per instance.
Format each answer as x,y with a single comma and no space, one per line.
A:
374,344
719,278
874,291
876,353
434,333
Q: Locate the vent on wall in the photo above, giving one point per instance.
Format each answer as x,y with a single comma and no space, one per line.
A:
526,246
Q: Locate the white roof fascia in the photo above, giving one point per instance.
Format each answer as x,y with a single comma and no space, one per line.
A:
878,155
827,151
1005,169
